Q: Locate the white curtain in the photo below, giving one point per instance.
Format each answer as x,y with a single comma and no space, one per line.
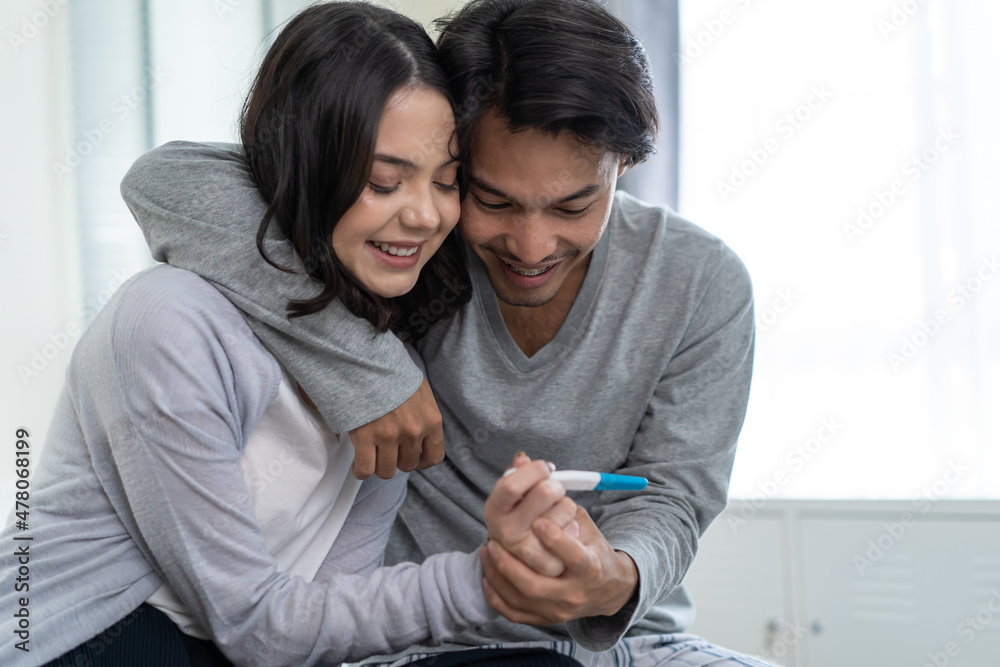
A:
848,152
655,23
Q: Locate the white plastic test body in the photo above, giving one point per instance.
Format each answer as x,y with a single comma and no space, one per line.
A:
588,480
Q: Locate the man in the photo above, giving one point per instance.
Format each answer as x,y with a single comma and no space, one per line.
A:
602,334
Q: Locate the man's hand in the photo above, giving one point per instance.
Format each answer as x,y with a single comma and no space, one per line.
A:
409,438
517,500
598,581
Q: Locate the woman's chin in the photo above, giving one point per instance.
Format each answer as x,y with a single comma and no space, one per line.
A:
390,289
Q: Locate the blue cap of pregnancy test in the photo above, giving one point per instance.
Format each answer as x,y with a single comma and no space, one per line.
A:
612,482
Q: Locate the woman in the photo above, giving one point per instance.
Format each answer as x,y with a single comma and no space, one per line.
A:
189,507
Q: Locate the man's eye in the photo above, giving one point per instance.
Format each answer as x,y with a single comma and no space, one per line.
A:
574,212
382,189
492,207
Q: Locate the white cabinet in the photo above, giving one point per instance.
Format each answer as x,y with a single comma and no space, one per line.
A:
830,584
740,586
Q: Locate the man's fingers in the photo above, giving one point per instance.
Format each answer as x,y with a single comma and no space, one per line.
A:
574,555
523,581
429,429
589,532
505,610
535,599
407,459
408,455
500,583
537,557
432,451
385,461
411,436
562,513
364,455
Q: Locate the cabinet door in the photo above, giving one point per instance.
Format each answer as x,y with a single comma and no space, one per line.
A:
901,590
739,585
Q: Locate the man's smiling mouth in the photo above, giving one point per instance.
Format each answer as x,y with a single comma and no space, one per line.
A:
527,272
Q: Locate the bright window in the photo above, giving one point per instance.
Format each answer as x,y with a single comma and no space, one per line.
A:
848,152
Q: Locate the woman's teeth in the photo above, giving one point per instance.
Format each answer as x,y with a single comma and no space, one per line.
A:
393,250
524,272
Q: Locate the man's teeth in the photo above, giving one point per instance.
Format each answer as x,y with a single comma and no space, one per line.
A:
393,250
524,272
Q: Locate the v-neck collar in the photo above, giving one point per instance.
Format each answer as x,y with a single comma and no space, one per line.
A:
564,338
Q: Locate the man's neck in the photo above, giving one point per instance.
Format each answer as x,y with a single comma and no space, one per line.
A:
533,327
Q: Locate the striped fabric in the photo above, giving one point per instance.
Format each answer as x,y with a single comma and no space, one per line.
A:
674,650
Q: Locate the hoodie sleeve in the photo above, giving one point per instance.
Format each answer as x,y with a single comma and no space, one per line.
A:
199,210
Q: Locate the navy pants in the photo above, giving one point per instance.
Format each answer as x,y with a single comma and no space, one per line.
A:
148,638
144,638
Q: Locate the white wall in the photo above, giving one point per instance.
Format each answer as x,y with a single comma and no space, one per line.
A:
40,296
208,52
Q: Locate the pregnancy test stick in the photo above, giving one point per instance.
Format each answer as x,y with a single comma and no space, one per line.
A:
586,480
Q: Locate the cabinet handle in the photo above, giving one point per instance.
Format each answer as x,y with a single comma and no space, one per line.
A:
775,624
817,628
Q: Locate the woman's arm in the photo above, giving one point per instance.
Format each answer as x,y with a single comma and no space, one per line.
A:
188,382
199,211
360,545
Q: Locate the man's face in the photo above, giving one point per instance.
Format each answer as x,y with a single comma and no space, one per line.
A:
537,206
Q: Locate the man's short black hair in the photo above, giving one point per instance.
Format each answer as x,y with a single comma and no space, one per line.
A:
550,65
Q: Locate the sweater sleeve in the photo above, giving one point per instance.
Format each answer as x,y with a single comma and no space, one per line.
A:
199,210
360,545
191,380
685,446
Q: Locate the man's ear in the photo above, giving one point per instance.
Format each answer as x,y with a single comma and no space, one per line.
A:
622,165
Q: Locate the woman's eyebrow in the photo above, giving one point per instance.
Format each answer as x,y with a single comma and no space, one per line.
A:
407,164
392,159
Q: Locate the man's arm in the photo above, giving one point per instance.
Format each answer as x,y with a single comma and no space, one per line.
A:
685,446
199,210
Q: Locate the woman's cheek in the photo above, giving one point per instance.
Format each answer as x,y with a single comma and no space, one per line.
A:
450,212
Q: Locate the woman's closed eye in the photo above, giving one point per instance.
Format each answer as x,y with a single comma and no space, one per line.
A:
383,189
389,189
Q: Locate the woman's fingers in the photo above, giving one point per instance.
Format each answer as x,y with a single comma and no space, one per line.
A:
511,488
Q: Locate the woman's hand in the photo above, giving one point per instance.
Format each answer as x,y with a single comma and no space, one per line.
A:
518,500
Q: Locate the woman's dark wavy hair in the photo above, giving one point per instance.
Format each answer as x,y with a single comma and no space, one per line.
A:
550,65
309,128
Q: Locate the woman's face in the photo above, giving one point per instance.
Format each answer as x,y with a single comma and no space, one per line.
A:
410,203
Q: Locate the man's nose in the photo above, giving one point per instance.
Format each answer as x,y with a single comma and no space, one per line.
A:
531,239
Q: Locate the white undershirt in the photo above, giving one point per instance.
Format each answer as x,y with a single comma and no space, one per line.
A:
298,474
